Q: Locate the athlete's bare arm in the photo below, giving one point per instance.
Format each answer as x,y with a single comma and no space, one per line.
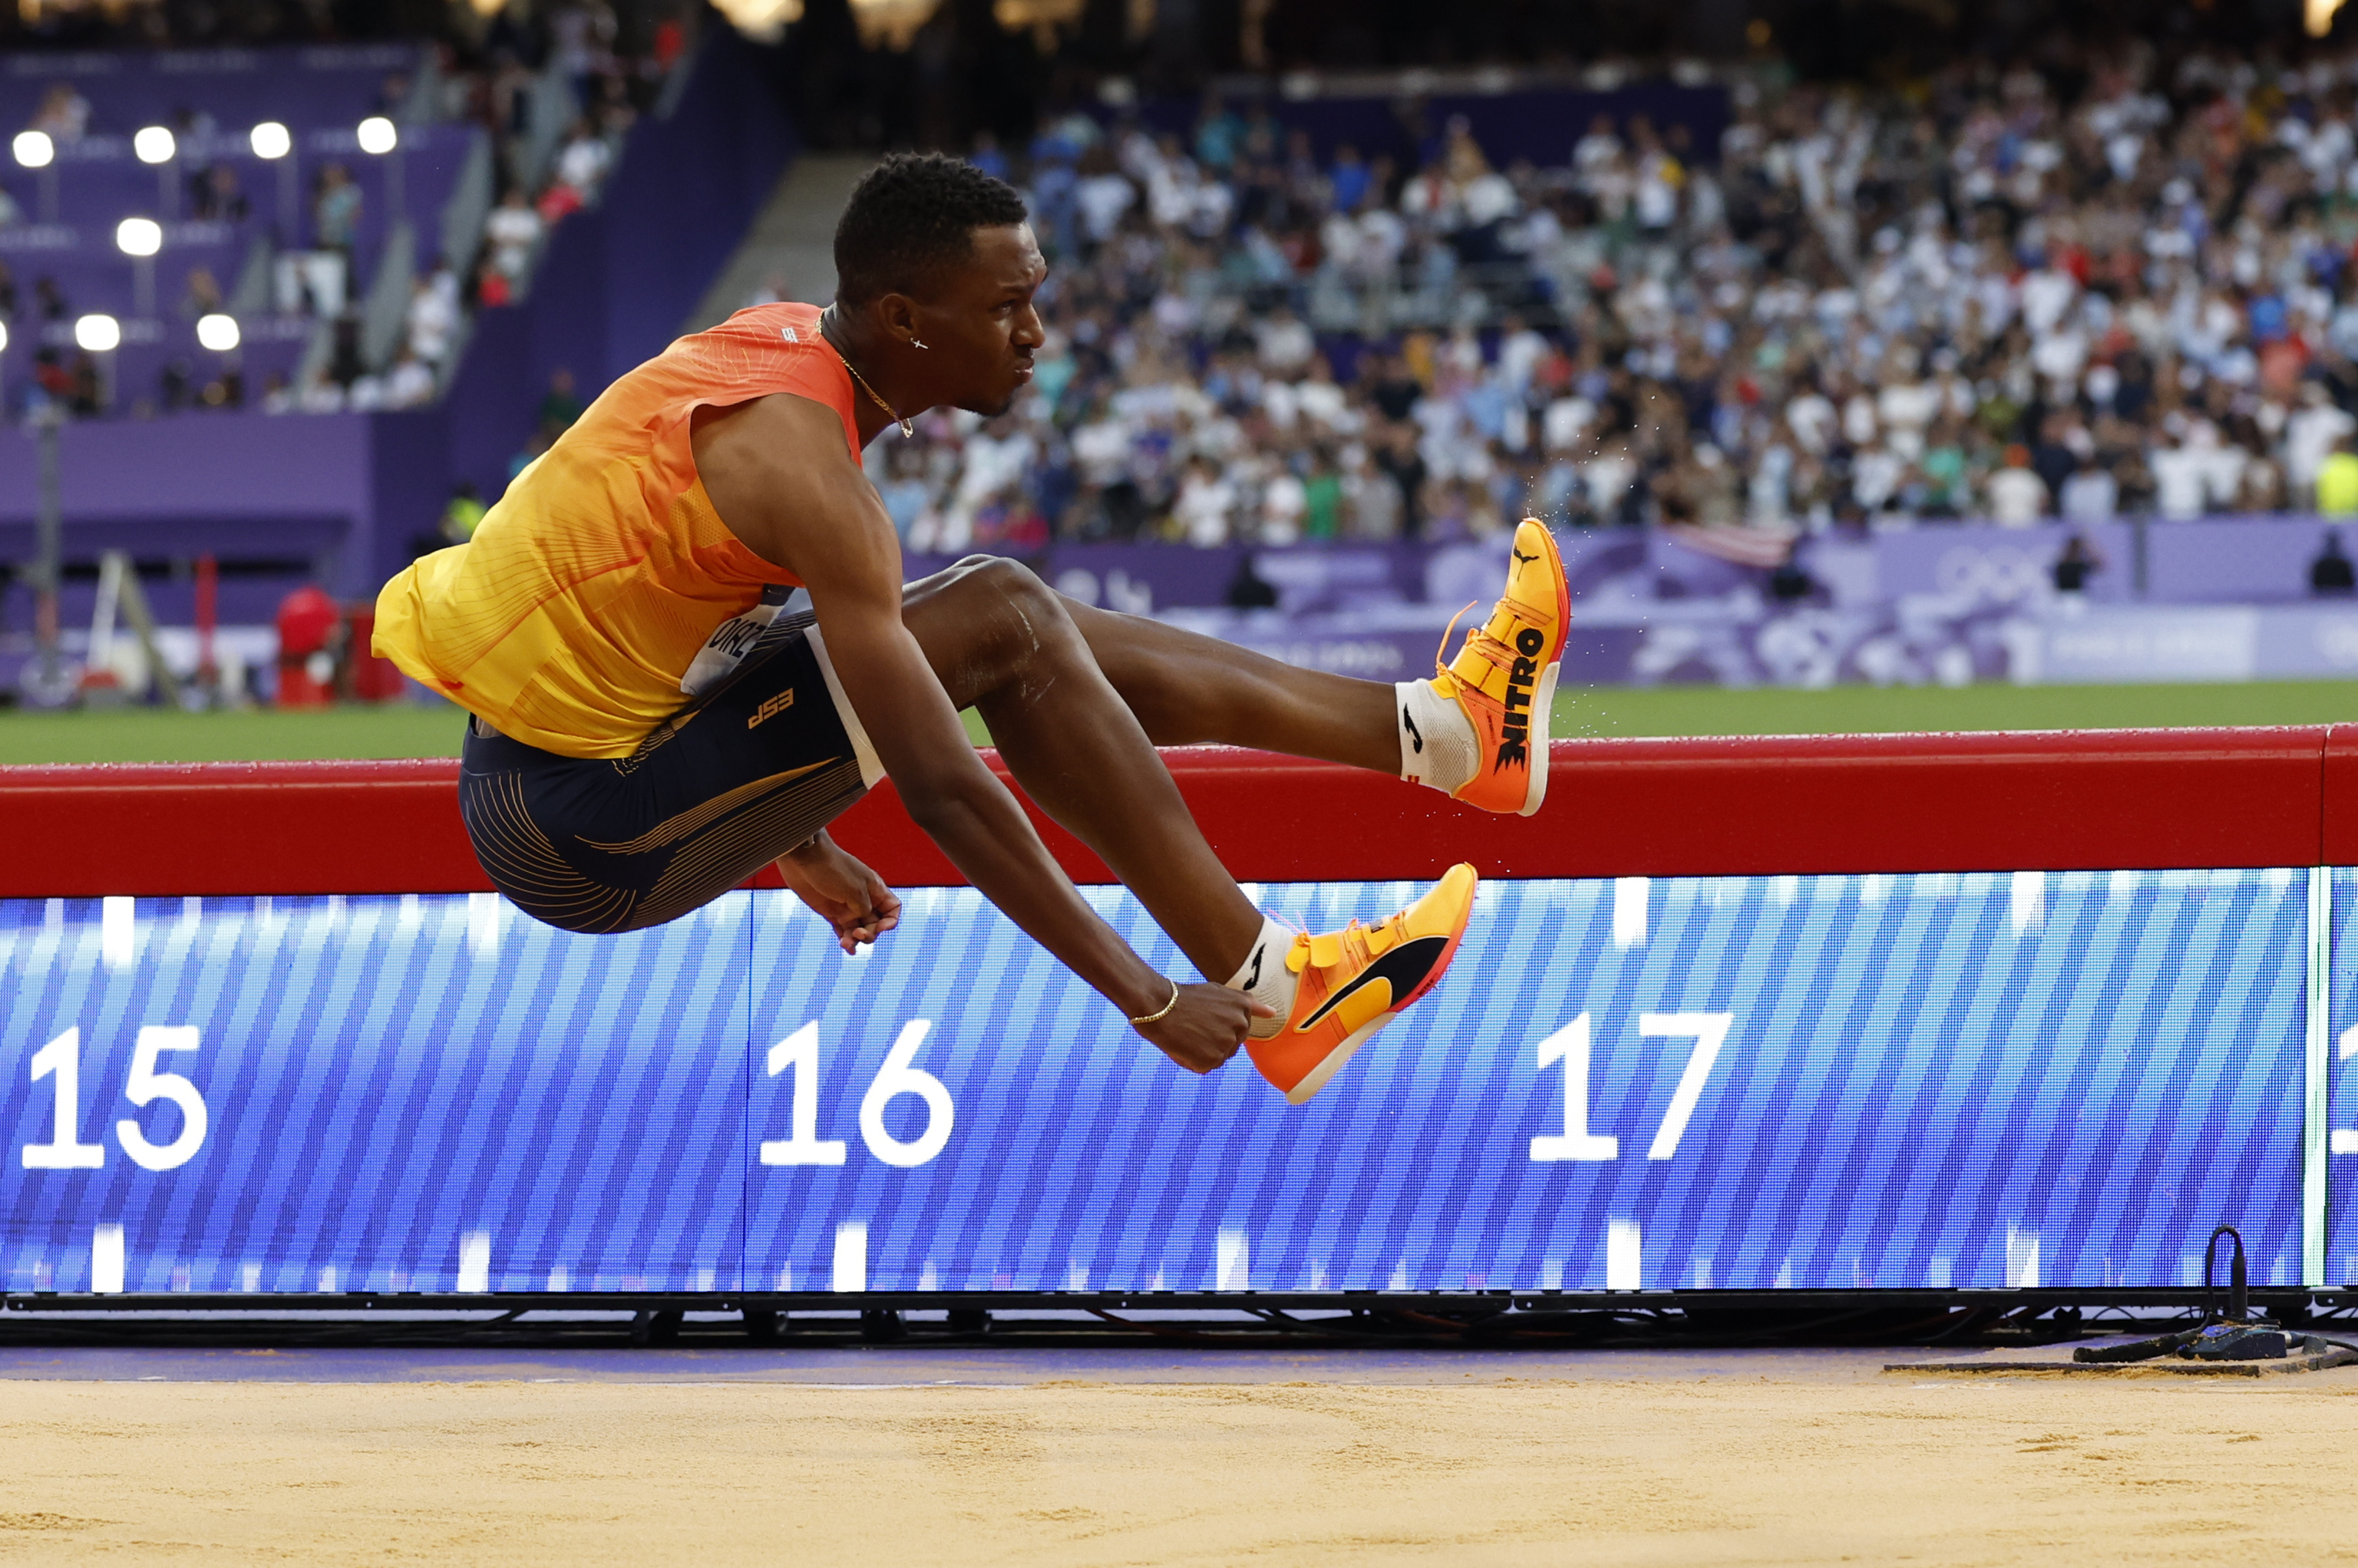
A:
780,476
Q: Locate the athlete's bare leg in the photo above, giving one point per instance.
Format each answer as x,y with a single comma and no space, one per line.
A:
1189,689
1004,643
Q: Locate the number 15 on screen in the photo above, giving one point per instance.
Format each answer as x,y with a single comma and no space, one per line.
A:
59,1061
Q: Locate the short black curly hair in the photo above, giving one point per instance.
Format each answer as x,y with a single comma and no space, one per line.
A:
911,215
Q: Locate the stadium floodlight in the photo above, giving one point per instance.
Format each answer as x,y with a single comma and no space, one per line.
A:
97,334
4,337
217,332
377,135
763,21
153,143
271,141
139,236
34,149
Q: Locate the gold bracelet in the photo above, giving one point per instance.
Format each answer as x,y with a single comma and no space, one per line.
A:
1159,1017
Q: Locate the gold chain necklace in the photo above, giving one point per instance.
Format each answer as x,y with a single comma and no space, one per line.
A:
907,430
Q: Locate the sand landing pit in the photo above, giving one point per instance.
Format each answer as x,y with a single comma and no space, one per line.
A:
1788,1459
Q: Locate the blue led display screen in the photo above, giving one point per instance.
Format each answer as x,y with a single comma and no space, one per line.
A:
1812,1082
2339,1049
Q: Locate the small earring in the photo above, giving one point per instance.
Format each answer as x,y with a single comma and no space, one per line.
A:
914,344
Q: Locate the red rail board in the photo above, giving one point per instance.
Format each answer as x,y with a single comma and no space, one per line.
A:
2340,803
2061,801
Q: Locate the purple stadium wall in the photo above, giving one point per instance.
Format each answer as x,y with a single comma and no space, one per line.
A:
350,491
616,283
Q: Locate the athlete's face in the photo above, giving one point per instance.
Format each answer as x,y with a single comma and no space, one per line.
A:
979,328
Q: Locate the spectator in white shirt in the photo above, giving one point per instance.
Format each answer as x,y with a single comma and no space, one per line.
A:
2312,433
2180,491
2091,495
433,316
2018,497
1325,403
1285,343
1812,418
584,159
1103,195
513,229
1520,350
1205,505
1283,501
409,384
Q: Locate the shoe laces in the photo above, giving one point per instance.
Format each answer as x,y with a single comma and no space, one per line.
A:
1480,641
1440,665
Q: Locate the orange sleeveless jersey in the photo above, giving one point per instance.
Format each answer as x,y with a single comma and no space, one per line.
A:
571,618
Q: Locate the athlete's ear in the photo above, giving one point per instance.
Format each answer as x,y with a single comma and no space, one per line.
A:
897,314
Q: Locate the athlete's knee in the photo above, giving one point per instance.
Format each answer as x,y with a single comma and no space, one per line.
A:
1000,584
999,578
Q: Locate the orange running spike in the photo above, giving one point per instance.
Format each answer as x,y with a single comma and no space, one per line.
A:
1356,980
1503,679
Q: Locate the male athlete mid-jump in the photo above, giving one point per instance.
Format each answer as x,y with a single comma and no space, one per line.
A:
654,722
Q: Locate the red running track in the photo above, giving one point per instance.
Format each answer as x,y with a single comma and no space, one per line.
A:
2056,801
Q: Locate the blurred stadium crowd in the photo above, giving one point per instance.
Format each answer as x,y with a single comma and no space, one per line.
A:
552,91
1979,299
2117,282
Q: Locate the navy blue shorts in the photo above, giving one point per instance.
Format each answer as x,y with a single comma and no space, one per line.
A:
745,772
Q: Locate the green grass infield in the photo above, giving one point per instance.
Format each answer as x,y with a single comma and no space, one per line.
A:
414,730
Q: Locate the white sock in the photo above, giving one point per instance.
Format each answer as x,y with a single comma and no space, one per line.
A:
1264,977
1436,739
